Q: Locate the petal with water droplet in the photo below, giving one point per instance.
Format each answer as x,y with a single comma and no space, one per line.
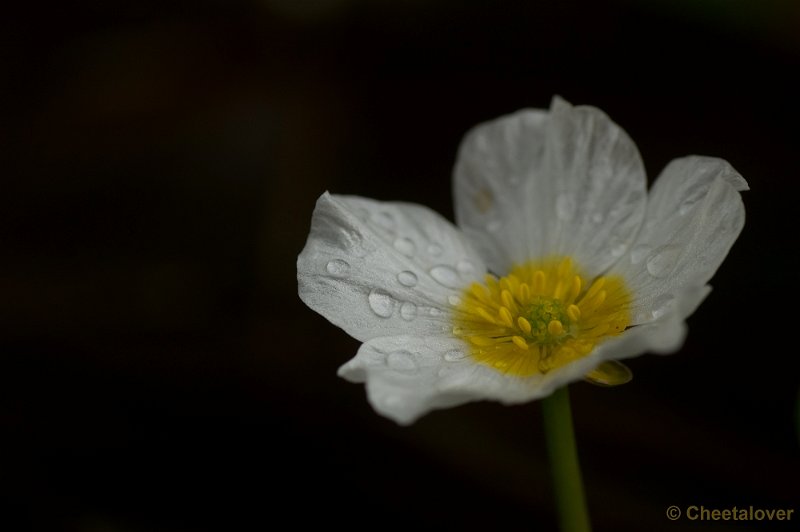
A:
356,270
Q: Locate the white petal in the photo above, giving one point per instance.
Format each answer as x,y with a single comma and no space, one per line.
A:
533,184
694,215
382,269
403,373
407,377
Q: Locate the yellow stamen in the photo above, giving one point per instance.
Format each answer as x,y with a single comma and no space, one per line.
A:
538,282
555,327
508,300
574,312
524,293
505,316
483,313
610,373
520,342
541,316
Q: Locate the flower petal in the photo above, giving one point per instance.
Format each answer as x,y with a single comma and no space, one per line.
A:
381,269
407,377
533,184
694,215
402,374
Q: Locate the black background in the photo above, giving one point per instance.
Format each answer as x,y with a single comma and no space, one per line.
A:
160,163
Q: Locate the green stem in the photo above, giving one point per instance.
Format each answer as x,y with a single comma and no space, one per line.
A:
571,503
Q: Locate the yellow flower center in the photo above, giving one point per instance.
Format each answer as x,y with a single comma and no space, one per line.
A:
541,316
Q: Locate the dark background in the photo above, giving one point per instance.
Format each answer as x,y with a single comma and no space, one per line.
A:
160,162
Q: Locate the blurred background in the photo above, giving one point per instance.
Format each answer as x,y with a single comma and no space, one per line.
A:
160,162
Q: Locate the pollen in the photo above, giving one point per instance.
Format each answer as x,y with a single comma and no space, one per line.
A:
541,316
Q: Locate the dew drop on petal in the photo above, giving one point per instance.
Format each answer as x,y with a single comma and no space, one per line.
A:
434,250
337,267
454,300
433,311
401,361
407,278
381,303
446,276
405,246
355,244
639,252
565,207
618,250
465,267
454,356
408,311
687,206
663,261
661,305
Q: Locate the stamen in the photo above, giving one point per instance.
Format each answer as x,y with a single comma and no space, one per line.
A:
524,293
485,315
558,292
520,342
555,327
574,312
596,286
508,300
538,282
506,317
575,289
481,340
590,304
540,317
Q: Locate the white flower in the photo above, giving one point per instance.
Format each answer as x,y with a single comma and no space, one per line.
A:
561,263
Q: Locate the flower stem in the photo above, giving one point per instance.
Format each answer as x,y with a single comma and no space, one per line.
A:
570,501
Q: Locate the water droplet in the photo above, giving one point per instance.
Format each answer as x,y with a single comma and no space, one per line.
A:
454,356
661,305
663,261
407,278
446,276
401,361
494,225
408,311
434,250
465,267
565,207
381,303
597,217
687,206
433,311
454,300
337,267
355,244
405,246
618,250
638,253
